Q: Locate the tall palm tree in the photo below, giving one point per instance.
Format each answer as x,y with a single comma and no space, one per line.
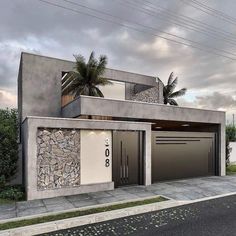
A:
168,91
87,77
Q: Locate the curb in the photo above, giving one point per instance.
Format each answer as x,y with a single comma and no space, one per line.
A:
88,219
79,209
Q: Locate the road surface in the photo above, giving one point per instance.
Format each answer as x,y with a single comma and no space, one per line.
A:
214,217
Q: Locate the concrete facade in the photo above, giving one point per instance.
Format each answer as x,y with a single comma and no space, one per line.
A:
138,106
85,105
45,73
30,128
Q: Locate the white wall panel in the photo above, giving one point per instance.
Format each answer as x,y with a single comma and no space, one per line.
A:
116,90
93,156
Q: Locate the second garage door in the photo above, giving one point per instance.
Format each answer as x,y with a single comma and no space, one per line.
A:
177,155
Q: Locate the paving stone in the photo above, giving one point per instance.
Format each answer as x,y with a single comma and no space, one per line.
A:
85,203
29,204
116,192
99,194
7,214
108,200
187,189
134,189
127,197
54,201
145,194
7,207
79,197
59,207
32,211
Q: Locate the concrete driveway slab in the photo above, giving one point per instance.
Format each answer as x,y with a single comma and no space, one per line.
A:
179,190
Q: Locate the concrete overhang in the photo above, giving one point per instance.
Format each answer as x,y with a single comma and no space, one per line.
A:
86,105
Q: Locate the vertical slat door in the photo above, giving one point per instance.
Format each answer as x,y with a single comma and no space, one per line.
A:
126,157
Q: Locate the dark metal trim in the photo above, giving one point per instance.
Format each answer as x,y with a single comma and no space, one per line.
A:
176,140
182,137
169,143
141,156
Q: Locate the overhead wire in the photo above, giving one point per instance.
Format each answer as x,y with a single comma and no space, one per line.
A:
205,10
180,23
145,26
206,49
214,10
171,13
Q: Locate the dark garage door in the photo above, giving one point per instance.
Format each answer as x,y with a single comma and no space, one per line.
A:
177,155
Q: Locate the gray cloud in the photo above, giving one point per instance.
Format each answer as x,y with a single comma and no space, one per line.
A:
216,101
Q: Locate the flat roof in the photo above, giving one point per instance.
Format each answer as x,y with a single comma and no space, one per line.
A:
86,105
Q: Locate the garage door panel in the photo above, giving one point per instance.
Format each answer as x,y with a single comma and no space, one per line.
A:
178,155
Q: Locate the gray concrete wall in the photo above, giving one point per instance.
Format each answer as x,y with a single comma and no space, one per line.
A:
86,105
39,84
30,127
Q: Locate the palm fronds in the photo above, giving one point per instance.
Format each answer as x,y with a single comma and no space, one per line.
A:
86,77
168,90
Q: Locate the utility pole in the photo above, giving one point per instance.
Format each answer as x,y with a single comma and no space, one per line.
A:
233,119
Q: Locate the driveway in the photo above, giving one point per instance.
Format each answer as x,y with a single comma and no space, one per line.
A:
196,188
180,190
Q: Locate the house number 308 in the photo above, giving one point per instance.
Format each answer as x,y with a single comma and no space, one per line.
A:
107,153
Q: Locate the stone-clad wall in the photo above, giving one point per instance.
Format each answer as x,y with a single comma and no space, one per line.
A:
58,158
150,95
144,93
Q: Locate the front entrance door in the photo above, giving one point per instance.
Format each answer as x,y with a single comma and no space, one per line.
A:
127,158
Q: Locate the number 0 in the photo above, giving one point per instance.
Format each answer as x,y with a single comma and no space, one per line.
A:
107,152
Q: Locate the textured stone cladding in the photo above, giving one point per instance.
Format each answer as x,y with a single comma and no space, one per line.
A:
150,95
58,158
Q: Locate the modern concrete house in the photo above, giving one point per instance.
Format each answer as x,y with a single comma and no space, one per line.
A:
129,137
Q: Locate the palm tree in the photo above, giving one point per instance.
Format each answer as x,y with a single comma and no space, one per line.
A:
87,77
168,91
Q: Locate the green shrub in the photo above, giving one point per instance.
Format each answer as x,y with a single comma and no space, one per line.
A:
230,137
8,144
15,193
231,133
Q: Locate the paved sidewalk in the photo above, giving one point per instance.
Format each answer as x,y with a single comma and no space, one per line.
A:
180,190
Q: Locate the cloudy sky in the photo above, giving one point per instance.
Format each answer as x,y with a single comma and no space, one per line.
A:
136,42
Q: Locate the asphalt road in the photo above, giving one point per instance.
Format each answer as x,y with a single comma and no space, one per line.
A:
213,217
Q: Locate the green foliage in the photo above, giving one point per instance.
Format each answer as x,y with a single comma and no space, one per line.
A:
87,76
8,144
231,133
231,169
15,193
169,94
230,137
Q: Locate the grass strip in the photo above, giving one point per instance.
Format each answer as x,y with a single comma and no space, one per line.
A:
5,201
60,216
231,170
